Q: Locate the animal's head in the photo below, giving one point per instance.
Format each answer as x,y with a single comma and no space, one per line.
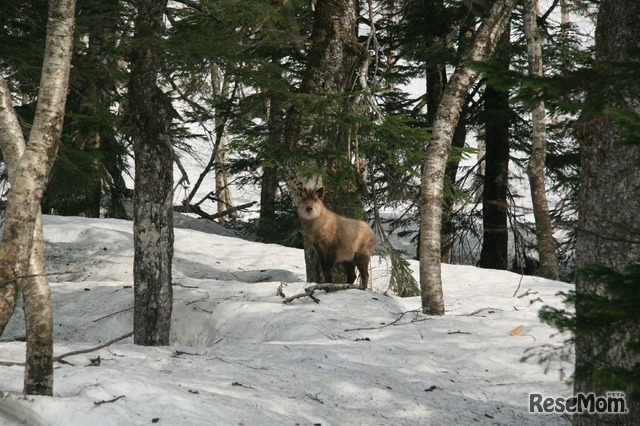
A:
310,204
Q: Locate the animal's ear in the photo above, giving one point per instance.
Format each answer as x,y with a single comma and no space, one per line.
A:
319,192
301,192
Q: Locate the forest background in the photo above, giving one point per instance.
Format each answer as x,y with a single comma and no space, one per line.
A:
290,92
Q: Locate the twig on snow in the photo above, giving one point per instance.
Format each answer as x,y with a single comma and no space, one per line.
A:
115,313
96,348
308,291
477,311
60,358
98,403
314,397
519,284
395,322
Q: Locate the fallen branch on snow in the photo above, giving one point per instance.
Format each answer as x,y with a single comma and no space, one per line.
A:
394,322
60,358
98,403
308,291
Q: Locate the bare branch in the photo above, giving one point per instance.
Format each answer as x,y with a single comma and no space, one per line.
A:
308,291
110,400
96,348
60,358
192,208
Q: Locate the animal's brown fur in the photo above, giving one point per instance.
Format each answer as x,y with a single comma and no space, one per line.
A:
335,238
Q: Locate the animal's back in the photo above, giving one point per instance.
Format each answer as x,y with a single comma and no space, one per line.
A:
354,236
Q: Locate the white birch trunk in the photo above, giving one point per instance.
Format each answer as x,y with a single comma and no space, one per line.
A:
535,168
446,119
22,252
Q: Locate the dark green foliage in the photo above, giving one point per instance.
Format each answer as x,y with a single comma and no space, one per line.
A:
87,176
74,187
281,227
23,27
612,312
568,77
401,280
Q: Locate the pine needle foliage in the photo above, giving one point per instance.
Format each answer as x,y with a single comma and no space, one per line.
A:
611,312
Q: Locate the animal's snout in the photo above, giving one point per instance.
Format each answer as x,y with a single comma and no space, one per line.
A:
309,209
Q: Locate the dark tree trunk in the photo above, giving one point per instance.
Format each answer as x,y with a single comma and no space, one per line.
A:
451,170
608,232
267,230
268,193
151,115
333,59
494,253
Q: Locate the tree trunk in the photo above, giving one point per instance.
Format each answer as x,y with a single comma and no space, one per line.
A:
220,86
436,81
223,191
446,120
608,232
535,168
333,58
151,115
269,182
495,241
451,170
494,253
29,165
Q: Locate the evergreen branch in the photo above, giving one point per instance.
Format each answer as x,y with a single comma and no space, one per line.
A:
200,8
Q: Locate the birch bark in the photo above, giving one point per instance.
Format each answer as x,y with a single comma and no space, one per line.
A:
446,119
535,168
22,266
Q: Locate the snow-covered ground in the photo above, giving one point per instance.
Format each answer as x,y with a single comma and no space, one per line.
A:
239,356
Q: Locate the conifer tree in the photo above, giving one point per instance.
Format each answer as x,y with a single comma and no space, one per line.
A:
608,202
497,116
333,58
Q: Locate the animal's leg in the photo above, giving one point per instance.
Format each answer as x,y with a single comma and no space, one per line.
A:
350,268
327,269
362,262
